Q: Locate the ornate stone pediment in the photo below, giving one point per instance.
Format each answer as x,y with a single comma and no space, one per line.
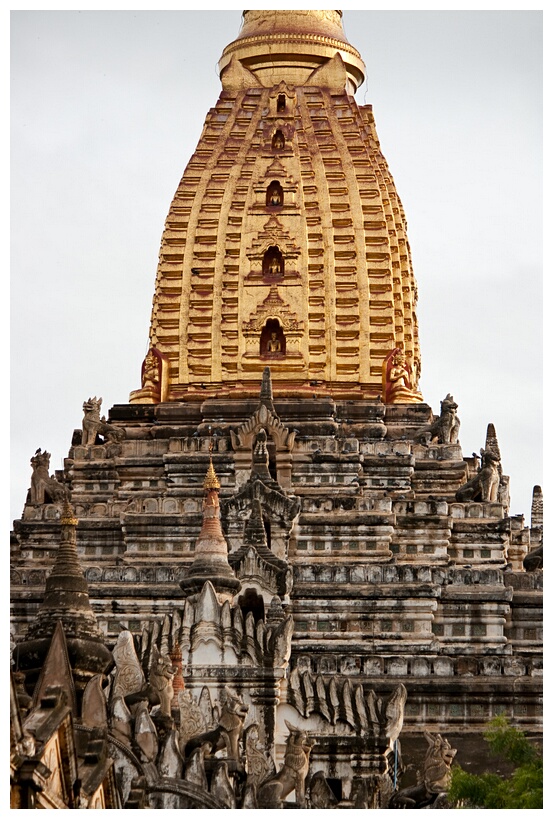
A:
337,699
273,234
272,307
282,88
262,418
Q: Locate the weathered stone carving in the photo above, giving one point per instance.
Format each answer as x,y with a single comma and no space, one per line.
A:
192,720
437,763
336,699
434,778
263,417
210,559
45,487
320,794
121,720
154,379
194,769
534,560
171,762
227,734
443,429
221,787
94,706
129,677
293,773
537,508
393,713
484,485
161,680
145,734
93,425
259,765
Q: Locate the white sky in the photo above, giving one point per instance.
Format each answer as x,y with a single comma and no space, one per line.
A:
106,110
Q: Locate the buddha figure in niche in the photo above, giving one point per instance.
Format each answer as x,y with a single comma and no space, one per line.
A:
275,195
274,344
273,340
273,264
278,141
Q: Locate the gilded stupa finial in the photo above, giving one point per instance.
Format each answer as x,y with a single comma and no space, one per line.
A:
68,517
211,480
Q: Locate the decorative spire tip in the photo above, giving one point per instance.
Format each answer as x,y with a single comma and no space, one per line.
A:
211,480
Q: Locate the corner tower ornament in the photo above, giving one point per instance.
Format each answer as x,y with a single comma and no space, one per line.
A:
211,561
330,291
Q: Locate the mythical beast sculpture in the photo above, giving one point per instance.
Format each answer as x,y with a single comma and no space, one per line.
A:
227,734
484,486
293,773
434,779
93,425
43,486
445,428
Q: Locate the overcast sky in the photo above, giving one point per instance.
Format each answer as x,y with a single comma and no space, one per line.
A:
106,110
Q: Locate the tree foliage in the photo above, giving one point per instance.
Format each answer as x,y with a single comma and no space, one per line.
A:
523,789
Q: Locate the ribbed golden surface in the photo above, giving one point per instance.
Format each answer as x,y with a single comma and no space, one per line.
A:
285,244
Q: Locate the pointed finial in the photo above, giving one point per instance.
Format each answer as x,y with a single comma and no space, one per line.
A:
211,480
266,392
537,507
68,515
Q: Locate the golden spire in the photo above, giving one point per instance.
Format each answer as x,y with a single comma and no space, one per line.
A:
303,175
211,481
68,517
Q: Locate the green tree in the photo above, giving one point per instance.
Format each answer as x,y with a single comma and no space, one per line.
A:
523,789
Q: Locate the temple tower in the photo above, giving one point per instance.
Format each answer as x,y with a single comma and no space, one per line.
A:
281,546
285,242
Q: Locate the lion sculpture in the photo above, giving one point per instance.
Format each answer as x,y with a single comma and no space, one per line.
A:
228,732
444,429
93,425
161,680
45,487
484,486
434,779
293,773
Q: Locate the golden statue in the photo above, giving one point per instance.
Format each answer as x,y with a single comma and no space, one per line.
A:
278,141
150,373
274,345
397,384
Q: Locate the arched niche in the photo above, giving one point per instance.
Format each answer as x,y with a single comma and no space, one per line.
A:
250,600
275,195
272,343
273,263
281,103
278,141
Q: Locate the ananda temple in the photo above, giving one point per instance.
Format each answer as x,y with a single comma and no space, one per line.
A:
271,578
